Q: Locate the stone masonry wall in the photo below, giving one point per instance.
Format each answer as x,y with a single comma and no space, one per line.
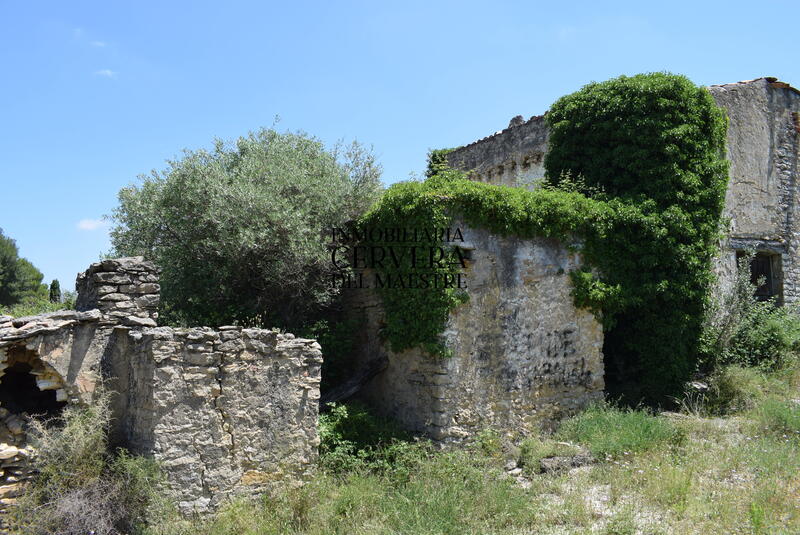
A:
125,290
226,412
522,355
511,157
763,149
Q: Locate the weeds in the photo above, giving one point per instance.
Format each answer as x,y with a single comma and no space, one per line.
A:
80,488
611,431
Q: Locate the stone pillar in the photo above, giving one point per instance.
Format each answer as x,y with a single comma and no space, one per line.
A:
125,290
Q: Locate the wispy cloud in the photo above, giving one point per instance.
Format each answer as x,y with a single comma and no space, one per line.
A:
99,44
106,73
91,224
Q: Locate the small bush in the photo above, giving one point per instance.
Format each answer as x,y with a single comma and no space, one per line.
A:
612,431
352,438
740,329
38,304
534,449
778,417
80,488
733,389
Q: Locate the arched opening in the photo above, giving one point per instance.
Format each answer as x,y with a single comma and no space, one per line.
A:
20,394
28,386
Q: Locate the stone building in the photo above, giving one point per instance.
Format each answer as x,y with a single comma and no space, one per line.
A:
523,355
762,147
225,411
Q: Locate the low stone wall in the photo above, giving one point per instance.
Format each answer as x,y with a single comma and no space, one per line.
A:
522,355
226,412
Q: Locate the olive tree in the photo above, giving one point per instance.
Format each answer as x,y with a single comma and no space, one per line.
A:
240,231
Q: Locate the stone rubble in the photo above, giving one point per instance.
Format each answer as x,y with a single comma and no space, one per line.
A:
15,457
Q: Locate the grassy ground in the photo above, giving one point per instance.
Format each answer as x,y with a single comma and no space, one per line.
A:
728,463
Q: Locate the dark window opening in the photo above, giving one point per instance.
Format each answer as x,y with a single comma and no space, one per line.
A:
19,393
765,273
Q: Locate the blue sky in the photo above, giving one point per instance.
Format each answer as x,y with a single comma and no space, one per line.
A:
93,94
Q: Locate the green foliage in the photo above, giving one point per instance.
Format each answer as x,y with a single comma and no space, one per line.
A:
448,492
35,304
352,438
733,389
653,136
55,291
19,279
611,431
740,329
437,161
338,338
777,416
240,231
654,144
80,488
534,449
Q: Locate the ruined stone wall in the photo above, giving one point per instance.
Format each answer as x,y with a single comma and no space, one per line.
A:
522,355
762,145
511,157
763,149
125,290
69,344
226,411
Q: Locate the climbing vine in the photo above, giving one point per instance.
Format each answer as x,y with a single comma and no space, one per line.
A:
647,152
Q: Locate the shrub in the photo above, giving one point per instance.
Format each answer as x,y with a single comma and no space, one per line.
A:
609,430
654,142
80,488
740,329
733,389
352,438
241,232
55,291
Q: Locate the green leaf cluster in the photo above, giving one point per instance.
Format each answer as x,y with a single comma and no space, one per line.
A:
241,231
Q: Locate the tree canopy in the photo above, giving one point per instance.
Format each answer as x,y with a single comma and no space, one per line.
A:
19,279
241,231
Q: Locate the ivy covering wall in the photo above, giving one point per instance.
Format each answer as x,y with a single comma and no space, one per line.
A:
636,172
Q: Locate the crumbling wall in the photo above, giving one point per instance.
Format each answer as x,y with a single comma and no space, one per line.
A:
523,356
762,196
70,344
124,290
511,157
226,411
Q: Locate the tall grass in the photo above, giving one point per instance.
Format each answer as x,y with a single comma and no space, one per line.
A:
607,430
